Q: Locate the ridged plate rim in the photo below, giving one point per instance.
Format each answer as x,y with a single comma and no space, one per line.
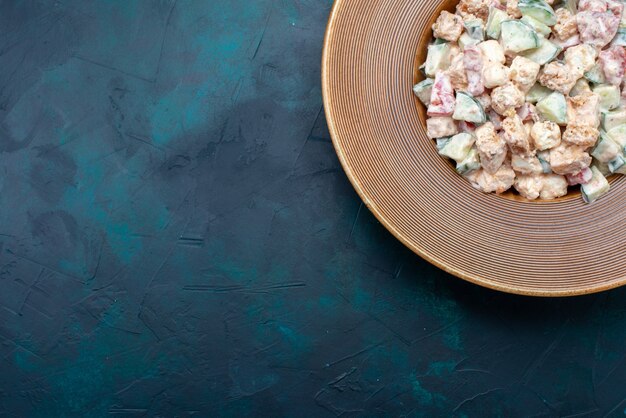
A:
330,117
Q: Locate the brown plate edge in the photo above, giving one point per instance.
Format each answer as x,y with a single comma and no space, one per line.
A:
417,250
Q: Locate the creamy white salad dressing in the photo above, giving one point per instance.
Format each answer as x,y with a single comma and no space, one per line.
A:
529,94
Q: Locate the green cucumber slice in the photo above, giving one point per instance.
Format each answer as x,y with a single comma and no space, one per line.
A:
614,118
554,108
606,149
539,10
517,36
465,40
475,29
597,187
423,90
609,96
538,26
581,86
602,167
442,142
618,134
468,109
595,75
537,93
544,158
544,53
438,59
470,163
618,165
495,19
457,147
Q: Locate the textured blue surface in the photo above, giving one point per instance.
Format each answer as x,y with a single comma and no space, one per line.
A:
177,238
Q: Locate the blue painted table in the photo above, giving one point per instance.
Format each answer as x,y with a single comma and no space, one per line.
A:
177,238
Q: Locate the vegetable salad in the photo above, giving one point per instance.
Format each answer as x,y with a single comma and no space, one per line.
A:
529,94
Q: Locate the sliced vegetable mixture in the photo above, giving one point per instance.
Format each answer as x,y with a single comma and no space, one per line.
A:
529,94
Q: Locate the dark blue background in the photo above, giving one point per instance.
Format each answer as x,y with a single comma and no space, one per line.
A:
177,238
